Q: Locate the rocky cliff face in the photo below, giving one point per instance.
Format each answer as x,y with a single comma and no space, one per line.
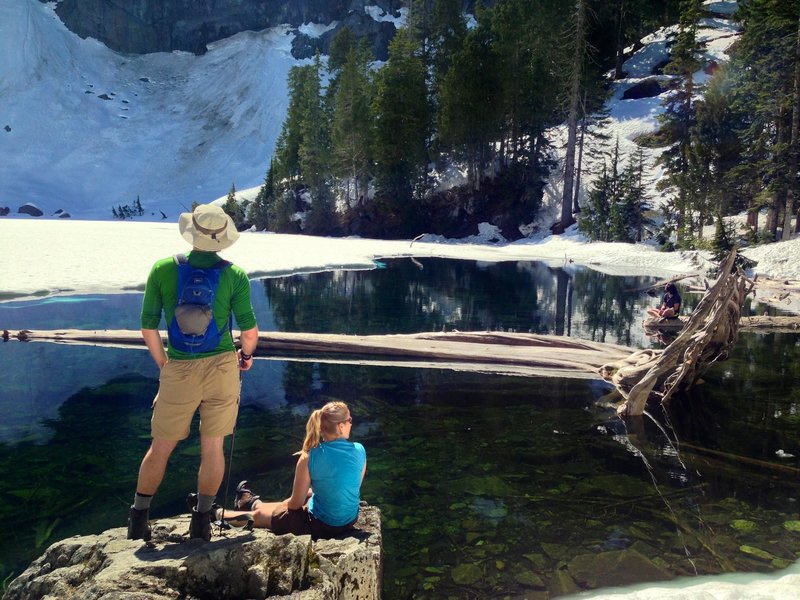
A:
142,26
235,565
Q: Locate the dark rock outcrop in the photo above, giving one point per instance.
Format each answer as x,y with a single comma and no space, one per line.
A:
30,209
647,88
236,565
142,26
4,210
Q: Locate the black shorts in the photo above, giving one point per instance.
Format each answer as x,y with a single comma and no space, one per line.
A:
301,522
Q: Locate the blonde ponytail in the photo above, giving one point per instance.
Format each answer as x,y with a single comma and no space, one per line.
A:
324,420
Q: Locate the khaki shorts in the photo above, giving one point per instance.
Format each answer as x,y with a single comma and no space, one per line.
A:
210,384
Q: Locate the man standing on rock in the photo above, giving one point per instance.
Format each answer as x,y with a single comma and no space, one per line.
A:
201,368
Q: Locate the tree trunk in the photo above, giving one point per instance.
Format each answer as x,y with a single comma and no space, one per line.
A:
789,208
576,206
620,43
572,119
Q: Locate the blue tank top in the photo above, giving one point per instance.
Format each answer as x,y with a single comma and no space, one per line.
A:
335,469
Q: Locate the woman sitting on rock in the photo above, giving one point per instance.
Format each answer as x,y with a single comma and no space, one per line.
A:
670,304
327,482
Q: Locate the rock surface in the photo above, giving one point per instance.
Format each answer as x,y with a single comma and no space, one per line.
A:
142,26
236,564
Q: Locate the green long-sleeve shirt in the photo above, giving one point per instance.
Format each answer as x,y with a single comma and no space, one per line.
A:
233,295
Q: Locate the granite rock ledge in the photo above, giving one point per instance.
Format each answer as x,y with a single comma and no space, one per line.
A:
235,565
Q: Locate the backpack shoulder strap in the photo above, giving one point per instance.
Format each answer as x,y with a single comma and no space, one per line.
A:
181,259
222,264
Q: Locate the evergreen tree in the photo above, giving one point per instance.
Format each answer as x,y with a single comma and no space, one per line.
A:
526,40
313,149
448,31
258,213
470,117
767,78
351,130
402,125
594,220
304,88
678,118
633,201
234,209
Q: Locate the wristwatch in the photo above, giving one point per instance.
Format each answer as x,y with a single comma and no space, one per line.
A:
244,355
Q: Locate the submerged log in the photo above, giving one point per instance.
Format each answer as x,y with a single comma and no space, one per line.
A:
760,322
707,337
490,352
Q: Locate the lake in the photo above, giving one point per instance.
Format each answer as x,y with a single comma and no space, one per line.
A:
490,486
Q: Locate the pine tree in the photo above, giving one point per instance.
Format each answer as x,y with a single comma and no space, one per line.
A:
594,220
303,84
351,129
765,92
260,208
234,209
470,117
633,201
678,118
402,126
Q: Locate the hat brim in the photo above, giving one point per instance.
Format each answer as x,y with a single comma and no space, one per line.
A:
205,242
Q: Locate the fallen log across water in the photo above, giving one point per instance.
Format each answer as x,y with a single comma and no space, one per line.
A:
487,352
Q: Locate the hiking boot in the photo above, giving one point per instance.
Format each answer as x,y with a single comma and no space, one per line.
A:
138,526
245,499
200,525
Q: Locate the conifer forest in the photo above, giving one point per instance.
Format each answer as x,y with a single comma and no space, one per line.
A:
518,89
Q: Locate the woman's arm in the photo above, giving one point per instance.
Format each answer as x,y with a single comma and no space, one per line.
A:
302,484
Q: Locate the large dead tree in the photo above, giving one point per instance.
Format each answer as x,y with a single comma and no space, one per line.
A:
707,337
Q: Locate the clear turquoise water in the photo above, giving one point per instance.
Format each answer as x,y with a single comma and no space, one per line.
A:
490,487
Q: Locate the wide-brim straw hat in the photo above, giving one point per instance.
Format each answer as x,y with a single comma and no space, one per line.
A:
208,228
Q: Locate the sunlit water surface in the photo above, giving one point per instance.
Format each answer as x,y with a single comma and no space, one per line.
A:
489,486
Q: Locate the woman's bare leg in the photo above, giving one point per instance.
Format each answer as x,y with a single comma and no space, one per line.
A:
262,513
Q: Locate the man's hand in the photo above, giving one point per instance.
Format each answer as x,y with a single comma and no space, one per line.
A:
244,363
152,339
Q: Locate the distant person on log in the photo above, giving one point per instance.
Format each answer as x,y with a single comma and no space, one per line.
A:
670,304
201,368
327,482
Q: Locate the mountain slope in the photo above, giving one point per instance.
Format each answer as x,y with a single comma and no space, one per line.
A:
86,128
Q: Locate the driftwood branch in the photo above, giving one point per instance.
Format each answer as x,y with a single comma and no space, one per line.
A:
706,337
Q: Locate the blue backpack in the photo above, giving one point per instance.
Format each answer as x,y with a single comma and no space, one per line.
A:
193,328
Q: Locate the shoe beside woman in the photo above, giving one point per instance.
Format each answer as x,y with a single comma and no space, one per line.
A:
327,481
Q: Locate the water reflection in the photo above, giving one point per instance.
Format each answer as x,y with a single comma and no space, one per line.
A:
409,296
490,486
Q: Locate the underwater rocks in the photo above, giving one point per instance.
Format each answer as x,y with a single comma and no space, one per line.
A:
236,565
618,567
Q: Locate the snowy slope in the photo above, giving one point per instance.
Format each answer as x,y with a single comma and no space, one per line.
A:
632,118
91,128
